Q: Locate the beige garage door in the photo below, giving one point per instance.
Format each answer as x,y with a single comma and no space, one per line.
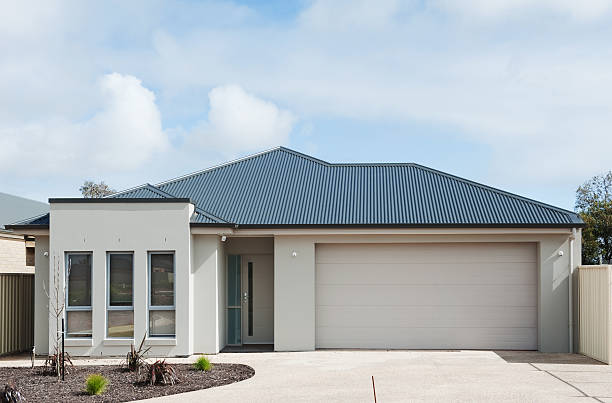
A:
426,296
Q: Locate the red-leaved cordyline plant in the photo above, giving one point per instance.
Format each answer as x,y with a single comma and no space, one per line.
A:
161,373
135,359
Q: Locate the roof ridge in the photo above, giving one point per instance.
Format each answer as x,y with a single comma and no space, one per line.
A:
493,189
159,191
144,185
198,210
305,156
241,159
167,195
148,186
224,164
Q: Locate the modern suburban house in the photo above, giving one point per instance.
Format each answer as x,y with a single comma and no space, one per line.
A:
282,248
17,251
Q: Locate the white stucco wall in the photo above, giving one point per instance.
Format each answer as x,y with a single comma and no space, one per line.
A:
201,272
126,227
294,293
208,294
294,325
221,296
41,301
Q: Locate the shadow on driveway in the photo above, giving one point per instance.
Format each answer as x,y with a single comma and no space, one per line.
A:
535,357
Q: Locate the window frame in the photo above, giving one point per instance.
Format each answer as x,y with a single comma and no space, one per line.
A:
151,307
67,307
108,305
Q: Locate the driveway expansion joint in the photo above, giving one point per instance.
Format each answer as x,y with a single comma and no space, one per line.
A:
567,383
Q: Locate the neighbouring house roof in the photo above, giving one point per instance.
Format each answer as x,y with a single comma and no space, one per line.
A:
14,208
282,187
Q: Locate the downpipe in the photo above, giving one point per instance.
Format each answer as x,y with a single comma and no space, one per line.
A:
571,291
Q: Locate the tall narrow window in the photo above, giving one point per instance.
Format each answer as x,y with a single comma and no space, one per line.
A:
120,297
250,296
78,295
161,294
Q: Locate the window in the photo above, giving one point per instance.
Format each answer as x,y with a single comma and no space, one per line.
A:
78,294
161,294
120,296
30,253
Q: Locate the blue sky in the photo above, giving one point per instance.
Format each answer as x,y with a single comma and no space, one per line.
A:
511,93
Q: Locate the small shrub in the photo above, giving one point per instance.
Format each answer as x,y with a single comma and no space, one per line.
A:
135,358
203,364
10,394
96,384
160,373
53,364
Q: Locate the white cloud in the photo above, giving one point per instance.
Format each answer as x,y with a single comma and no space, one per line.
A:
350,14
577,10
123,134
240,122
529,80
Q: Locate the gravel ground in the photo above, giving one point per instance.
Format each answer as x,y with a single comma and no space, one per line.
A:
123,385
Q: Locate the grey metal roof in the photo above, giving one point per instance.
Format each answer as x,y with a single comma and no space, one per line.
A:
13,208
285,187
37,221
282,187
146,191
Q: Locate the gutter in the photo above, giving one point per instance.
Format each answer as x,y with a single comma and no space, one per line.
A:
26,226
298,226
94,200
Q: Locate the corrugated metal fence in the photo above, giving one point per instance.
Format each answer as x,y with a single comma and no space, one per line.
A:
595,304
16,313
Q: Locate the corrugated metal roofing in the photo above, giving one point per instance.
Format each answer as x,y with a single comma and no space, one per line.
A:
42,219
13,208
284,187
146,191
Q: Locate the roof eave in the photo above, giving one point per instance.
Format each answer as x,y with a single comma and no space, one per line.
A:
281,226
94,200
213,224
21,227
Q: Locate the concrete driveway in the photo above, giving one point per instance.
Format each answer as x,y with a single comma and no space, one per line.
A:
475,376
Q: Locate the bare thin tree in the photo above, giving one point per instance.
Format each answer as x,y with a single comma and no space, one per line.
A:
57,306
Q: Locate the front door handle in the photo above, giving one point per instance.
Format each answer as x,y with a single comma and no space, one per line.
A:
245,298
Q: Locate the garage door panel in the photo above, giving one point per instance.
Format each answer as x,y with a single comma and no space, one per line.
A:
463,295
426,316
418,295
509,338
507,273
426,253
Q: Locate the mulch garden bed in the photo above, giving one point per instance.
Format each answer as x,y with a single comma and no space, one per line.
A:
123,385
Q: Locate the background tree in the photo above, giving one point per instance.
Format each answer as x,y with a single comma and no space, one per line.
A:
91,189
594,204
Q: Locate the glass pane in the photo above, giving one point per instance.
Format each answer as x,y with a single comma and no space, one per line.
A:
250,298
233,280
120,280
121,324
161,323
79,324
162,279
79,280
233,326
